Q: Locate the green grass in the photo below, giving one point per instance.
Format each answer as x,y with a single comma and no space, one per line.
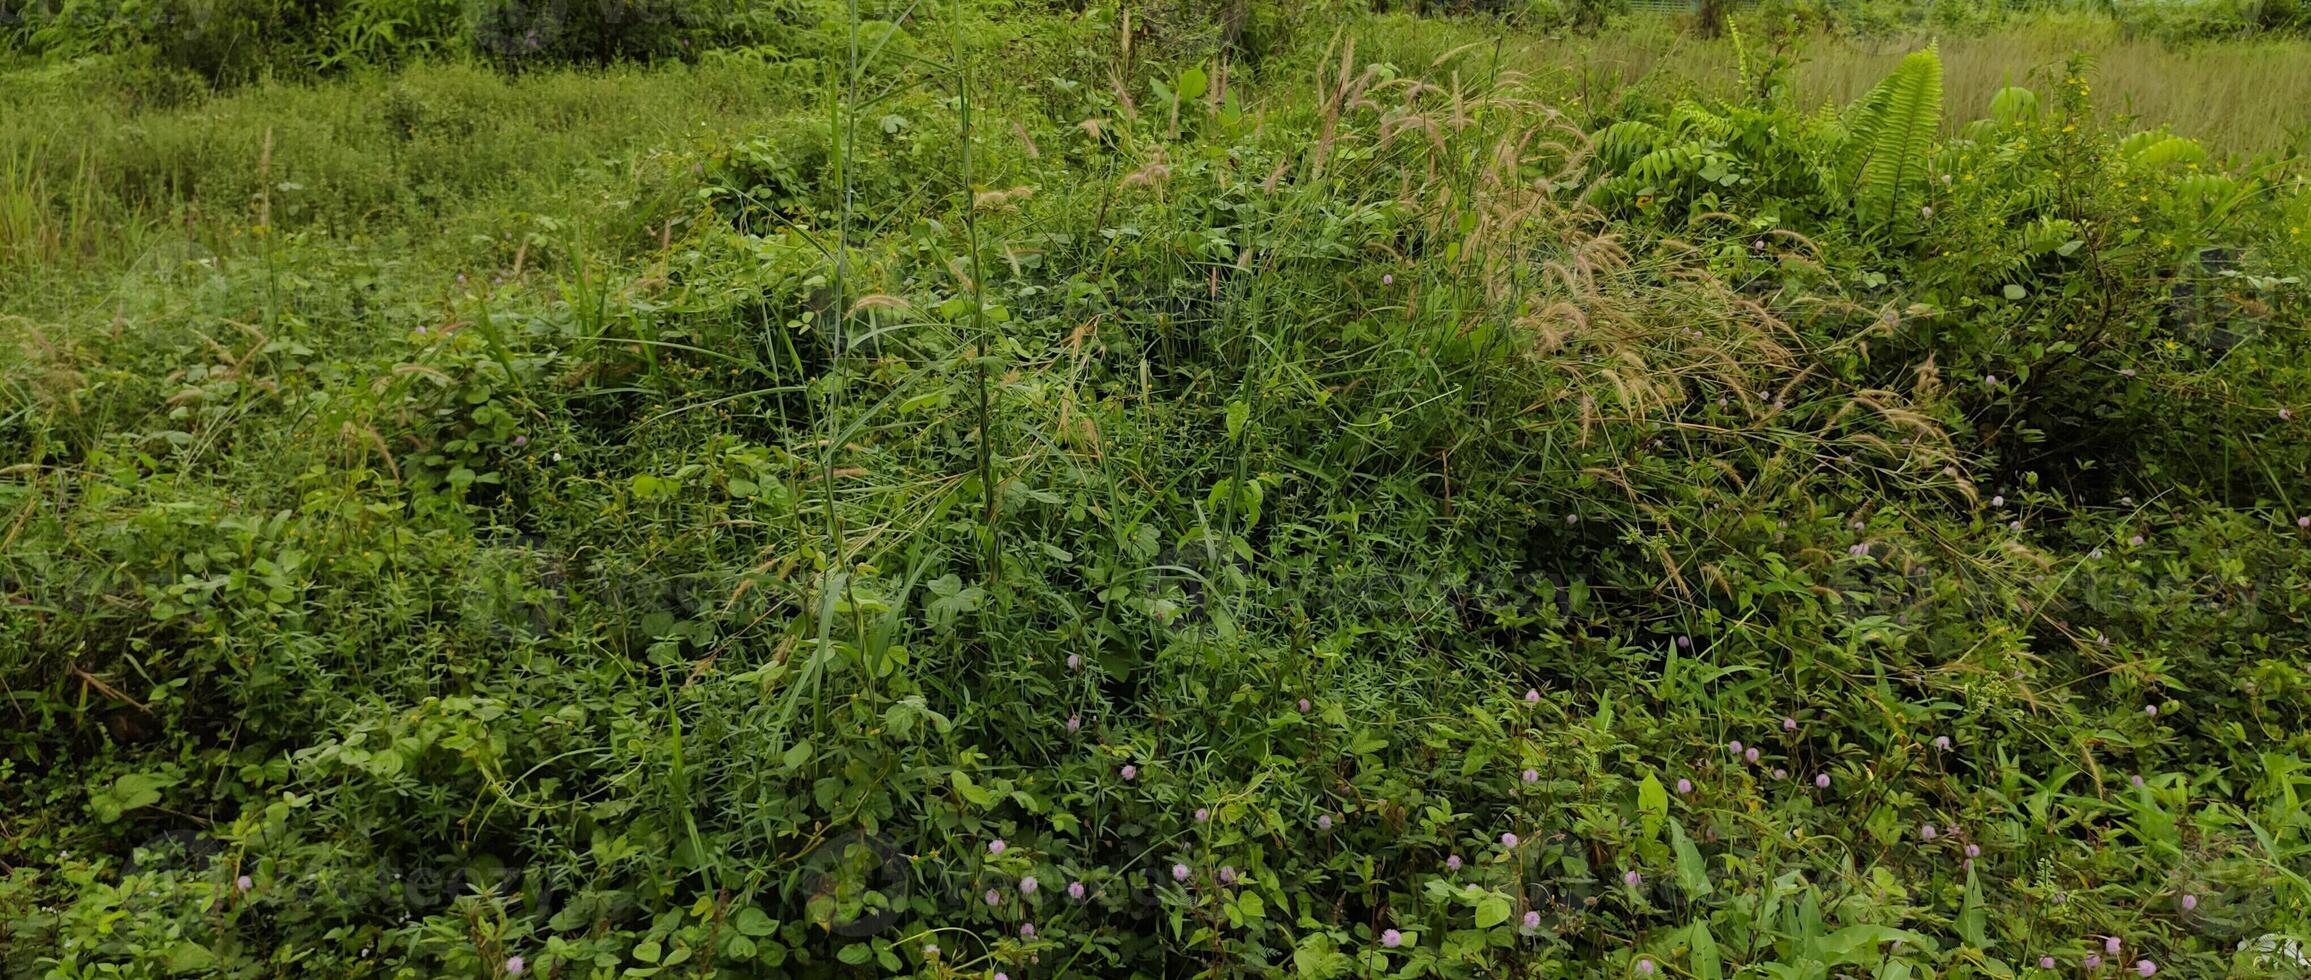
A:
681,518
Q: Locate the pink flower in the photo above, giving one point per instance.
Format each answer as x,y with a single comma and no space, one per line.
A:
2151,710
1942,742
2046,962
1075,890
1789,724
1927,831
1027,885
1734,747
2304,521
514,965
1452,862
1304,706
1644,967
1075,661
1684,786
994,897
996,846
1203,814
1750,756
1532,775
1822,781
1973,851
1532,921
1323,821
1393,939
1532,695
2135,541
1227,874
2190,902
244,883
1027,930
1074,723
1509,840
1130,771
1179,872
2145,967
1388,279
1780,773
2136,780
2093,961
2110,945
1632,878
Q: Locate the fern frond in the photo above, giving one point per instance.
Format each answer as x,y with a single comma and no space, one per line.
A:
1890,132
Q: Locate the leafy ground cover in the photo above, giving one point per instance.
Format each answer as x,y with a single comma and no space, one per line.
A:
998,491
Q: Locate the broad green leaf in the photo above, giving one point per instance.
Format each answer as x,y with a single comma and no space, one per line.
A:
1652,806
1692,870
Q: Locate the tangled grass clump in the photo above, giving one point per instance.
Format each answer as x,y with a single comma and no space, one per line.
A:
1346,514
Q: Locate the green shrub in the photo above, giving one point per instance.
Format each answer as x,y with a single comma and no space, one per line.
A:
679,521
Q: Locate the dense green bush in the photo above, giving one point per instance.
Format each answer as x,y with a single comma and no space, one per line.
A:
1349,516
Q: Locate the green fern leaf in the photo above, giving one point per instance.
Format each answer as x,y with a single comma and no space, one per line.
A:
1891,131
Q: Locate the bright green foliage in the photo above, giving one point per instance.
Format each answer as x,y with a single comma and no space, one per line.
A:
1339,504
1889,133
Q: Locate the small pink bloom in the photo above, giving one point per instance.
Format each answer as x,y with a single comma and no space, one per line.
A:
1822,781
2145,967
997,846
1179,872
1532,695
514,965
1130,771
1509,840
1391,939
1750,756
1684,786
1632,879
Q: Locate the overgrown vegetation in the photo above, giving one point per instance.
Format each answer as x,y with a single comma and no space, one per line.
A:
991,491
